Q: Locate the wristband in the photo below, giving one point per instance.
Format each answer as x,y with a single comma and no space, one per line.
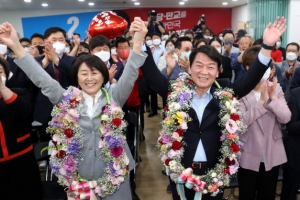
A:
267,47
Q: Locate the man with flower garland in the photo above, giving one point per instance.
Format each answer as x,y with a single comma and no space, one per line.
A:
201,138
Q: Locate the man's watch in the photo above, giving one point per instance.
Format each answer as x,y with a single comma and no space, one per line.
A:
263,45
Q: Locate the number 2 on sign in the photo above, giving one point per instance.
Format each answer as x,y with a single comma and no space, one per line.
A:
75,22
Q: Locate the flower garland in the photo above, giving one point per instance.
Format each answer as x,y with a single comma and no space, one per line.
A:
67,138
171,142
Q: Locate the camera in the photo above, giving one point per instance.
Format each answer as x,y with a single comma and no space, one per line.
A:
202,19
153,15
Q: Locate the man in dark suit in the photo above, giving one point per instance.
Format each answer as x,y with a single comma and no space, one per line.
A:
203,133
58,65
291,173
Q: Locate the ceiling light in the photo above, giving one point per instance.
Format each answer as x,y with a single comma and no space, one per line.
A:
225,3
27,1
91,4
133,0
181,3
81,0
234,0
185,0
137,3
44,4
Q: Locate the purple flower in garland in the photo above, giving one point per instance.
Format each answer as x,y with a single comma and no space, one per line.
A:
56,124
112,169
166,139
113,142
70,165
67,97
73,147
55,169
183,98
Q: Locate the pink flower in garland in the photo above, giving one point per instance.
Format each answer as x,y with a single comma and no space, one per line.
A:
116,152
70,164
231,126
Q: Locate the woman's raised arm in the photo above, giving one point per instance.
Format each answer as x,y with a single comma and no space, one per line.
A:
30,66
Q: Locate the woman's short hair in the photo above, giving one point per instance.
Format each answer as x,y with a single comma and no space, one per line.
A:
201,40
169,40
5,66
92,62
250,55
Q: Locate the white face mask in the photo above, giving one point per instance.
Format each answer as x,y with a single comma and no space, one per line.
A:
181,36
266,75
59,47
278,44
3,49
113,51
207,37
149,43
291,56
221,38
3,80
187,54
165,37
219,50
171,49
103,55
156,41
67,50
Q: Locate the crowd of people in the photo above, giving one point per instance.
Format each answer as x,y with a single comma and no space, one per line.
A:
132,70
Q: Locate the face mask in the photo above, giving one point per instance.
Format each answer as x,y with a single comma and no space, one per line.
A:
113,51
187,54
3,80
149,43
228,42
207,37
3,49
219,50
59,47
221,38
291,56
266,75
181,36
278,44
165,37
103,55
171,49
26,49
67,50
156,41
124,54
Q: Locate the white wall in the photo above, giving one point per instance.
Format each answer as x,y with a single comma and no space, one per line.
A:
14,17
239,14
294,22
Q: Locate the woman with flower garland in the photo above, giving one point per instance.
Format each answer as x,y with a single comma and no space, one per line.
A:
196,120
90,154
264,109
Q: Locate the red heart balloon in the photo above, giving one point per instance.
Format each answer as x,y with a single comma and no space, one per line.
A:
108,24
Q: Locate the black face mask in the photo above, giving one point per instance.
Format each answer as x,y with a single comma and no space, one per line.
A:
83,54
40,49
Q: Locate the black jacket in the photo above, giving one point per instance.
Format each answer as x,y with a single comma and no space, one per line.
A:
43,106
15,125
292,142
209,131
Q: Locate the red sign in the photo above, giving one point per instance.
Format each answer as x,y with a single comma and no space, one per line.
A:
185,18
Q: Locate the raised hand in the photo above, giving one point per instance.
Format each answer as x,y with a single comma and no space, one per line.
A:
50,53
263,94
9,36
139,30
170,60
112,71
271,88
273,31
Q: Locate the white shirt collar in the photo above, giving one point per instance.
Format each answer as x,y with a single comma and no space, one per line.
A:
206,93
89,102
